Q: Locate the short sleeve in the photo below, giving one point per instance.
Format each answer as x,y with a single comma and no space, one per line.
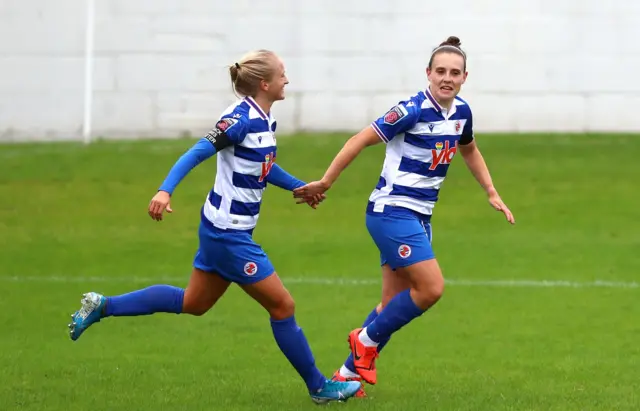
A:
467,132
235,128
398,119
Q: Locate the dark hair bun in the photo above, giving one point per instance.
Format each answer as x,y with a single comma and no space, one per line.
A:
452,41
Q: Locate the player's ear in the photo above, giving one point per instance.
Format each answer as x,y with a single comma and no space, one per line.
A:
464,77
264,85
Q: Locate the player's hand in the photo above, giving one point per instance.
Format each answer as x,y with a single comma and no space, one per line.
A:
497,203
313,202
311,190
159,203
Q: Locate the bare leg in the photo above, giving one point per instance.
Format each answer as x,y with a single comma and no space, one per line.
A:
203,291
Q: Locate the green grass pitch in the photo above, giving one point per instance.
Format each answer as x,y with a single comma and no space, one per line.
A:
543,315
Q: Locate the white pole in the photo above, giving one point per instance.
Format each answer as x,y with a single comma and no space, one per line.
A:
88,71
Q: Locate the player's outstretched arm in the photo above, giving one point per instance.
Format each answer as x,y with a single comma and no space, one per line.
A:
279,177
198,153
227,132
478,167
352,148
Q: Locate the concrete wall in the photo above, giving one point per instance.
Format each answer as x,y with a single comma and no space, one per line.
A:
535,65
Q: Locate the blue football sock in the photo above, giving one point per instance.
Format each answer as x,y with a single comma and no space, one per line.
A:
154,299
295,347
398,313
349,362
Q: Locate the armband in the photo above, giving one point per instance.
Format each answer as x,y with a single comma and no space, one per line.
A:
218,136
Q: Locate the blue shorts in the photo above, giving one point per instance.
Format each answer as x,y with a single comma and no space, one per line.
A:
402,236
231,254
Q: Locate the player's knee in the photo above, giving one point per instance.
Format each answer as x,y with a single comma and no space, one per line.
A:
429,293
195,306
284,308
435,291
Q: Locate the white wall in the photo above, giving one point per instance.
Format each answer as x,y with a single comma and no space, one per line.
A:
160,64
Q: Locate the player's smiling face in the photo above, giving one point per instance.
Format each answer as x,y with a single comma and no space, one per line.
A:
275,87
446,76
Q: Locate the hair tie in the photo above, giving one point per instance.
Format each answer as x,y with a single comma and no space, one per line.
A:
238,66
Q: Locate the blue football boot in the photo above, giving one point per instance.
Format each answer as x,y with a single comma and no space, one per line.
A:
90,312
335,391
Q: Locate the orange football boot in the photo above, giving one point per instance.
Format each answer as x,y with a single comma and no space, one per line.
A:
364,358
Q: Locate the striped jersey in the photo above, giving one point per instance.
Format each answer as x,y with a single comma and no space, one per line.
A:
234,202
421,139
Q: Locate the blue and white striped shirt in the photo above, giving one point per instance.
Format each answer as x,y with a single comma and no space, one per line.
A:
242,169
422,138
